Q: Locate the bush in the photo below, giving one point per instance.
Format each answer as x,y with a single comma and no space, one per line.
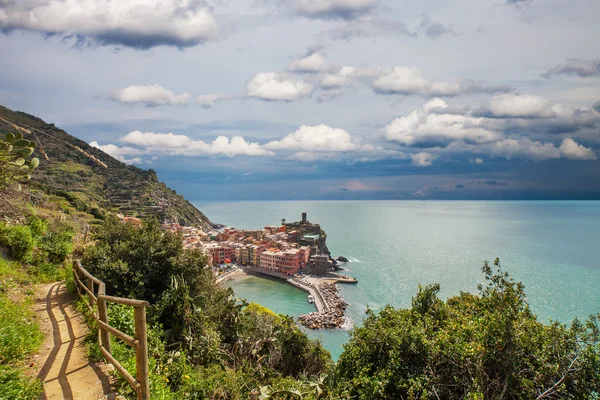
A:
58,245
19,241
483,346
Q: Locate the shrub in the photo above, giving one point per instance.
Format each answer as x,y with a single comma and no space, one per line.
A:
57,245
483,346
19,241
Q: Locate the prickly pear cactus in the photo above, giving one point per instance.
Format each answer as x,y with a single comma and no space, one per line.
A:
15,164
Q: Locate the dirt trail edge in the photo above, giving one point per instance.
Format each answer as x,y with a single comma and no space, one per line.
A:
63,365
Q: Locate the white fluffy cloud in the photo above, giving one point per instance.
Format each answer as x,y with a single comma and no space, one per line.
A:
423,159
431,126
272,86
312,63
172,144
409,81
120,153
134,23
328,9
320,138
525,148
501,132
574,151
518,106
149,95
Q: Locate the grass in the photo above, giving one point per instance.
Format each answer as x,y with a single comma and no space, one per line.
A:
20,335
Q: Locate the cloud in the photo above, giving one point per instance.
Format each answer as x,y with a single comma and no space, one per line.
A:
137,24
209,100
408,81
596,106
357,186
368,27
149,95
495,183
310,64
272,86
423,159
459,186
433,29
172,144
504,131
333,9
432,127
320,138
573,151
575,67
518,106
352,186
120,153
525,148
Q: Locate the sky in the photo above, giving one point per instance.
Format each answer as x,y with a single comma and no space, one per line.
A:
321,99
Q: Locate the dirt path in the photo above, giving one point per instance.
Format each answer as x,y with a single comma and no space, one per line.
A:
63,365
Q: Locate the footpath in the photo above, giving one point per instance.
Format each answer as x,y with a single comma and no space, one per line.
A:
63,364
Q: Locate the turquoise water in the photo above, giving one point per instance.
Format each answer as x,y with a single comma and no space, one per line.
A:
553,247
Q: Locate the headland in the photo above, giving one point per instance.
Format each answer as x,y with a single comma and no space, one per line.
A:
295,252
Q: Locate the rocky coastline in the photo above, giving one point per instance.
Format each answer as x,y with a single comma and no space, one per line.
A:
331,318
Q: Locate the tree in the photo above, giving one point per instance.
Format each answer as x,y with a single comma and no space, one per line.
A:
15,167
485,346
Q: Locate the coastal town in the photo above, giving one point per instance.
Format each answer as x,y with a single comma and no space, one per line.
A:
295,252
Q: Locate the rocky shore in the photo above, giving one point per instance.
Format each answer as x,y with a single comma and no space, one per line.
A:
333,317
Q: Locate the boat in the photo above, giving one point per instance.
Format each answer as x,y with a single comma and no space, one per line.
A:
311,299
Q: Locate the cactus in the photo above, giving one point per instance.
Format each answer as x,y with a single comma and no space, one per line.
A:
14,163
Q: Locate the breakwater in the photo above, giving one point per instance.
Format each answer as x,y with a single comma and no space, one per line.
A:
333,316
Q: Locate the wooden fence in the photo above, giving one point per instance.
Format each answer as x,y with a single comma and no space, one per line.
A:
96,291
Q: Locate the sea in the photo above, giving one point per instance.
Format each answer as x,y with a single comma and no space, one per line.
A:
553,247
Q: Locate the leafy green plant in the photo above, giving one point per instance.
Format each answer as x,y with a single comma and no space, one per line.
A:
19,240
19,333
16,385
484,346
15,165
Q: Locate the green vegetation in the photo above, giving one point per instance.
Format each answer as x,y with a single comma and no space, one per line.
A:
486,346
15,165
37,250
202,342
20,336
86,183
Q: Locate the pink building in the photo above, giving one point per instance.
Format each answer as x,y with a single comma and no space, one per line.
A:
219,253
288,262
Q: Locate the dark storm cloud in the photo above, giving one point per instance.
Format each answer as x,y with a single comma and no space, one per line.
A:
575,67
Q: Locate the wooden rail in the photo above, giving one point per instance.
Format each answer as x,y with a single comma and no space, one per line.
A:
96,292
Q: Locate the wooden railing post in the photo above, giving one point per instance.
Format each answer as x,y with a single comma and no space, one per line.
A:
76,276
141,353
90,285
103,316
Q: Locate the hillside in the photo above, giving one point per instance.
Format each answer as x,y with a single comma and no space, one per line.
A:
80,178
